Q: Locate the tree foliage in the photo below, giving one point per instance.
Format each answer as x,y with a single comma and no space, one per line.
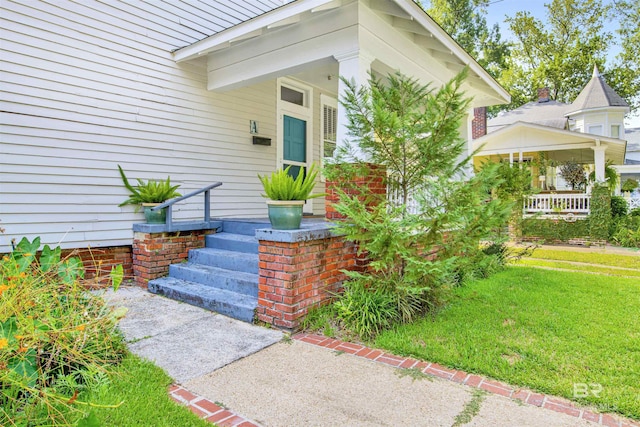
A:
411,132
465,21
559,53
574,174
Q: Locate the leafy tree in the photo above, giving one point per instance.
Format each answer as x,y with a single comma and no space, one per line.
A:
560,52
574,174
410,131
465,21
625,77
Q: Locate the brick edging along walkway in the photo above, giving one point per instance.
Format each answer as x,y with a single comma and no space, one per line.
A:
461,377
223,417
208,410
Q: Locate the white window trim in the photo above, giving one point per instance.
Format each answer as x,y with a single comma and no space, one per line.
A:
620,130
331,102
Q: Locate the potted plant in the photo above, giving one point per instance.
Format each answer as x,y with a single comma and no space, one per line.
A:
149,194
287,196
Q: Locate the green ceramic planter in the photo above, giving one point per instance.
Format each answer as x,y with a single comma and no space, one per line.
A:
285,214
154,217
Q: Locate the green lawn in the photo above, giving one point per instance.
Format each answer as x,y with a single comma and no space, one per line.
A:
583,267
545,330
142,388
613,260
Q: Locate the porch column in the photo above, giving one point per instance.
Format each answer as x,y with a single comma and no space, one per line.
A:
598,159
354,66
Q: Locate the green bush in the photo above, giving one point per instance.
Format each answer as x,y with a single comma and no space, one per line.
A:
411,133
600,217
619,206
281,185
627,232
56,338
629,184
555,229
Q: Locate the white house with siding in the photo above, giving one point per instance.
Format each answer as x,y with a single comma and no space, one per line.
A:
177,88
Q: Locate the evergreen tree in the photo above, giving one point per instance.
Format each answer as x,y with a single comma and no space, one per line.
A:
411,131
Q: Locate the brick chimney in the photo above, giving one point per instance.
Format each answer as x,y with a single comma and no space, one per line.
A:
543,94
479,122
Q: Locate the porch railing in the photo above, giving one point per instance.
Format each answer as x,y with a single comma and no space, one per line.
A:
633,202
207,203
557,204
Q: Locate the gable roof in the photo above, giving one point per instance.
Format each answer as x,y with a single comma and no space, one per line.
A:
597,94
550,113
531,137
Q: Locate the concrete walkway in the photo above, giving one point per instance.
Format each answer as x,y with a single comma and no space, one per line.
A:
276,382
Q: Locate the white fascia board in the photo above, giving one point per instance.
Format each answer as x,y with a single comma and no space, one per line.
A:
423,19
224,37
578,137
598,110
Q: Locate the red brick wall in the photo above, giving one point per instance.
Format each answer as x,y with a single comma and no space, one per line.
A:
99,261
154,252
296,276
375,180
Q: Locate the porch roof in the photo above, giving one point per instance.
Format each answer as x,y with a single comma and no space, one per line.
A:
303,38
531,137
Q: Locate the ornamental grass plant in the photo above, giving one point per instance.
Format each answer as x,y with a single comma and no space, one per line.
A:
57,339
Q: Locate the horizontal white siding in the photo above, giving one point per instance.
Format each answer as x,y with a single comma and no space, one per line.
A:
90,85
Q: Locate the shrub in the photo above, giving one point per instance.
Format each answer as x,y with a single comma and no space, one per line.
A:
148,192
56,338
600,217
627,232
549,229
629,184
619,206
411,132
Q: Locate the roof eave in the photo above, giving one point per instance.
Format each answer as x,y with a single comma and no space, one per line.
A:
226,37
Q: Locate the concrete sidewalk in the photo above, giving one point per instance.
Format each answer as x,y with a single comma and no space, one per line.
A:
294,383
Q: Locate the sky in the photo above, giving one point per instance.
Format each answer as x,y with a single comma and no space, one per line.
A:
498,9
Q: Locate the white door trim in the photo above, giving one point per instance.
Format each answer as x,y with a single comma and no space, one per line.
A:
302,112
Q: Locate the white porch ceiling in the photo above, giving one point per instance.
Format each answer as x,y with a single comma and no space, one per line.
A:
301,38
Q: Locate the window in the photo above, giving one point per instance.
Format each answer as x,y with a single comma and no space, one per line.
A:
595,130
329,125
615,131
291,95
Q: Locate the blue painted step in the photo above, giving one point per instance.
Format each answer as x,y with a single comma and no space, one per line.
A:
229,260
234,281
247,227
232,304
232,242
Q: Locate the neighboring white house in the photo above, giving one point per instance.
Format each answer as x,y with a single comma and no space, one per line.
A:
177,88
589,131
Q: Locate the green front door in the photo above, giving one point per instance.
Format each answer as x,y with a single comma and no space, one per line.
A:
294,145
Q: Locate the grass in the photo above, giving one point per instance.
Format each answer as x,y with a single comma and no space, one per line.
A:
613,260
545,330
142,388
567,265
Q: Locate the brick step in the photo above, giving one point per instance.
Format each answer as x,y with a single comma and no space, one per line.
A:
232,242
232,304
234,281
228,260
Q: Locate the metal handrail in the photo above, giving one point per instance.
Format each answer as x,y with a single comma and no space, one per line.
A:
207,203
